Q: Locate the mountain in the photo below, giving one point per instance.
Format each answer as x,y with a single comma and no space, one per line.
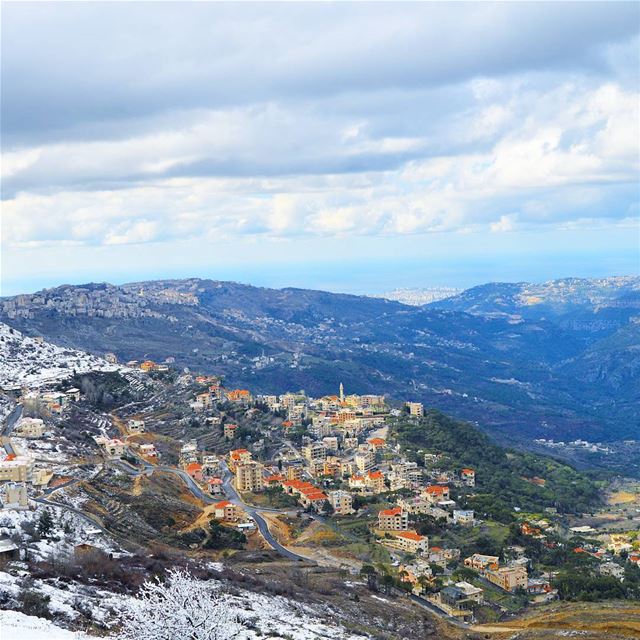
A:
580,303
565,367
32,361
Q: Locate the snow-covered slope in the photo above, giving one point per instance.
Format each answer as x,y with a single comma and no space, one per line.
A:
25,360
14,624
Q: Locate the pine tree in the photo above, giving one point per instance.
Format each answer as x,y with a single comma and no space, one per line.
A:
45,523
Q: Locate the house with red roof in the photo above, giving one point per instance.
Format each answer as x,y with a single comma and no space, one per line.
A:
468,477
374,480
410,541
394,519
436,493
227,511
194,469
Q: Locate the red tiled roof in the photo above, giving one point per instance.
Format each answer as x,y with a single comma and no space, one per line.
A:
395,511
435,489
409,535
223,504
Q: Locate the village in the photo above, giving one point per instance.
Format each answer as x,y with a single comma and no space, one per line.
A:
331,463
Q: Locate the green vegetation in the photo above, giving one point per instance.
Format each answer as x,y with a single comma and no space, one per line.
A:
585,584
503,477
221,537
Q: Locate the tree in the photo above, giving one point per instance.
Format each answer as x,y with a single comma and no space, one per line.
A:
45,523
369,572
180,608
388,582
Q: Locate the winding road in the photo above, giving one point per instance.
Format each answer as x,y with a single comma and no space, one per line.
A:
232,495
9,424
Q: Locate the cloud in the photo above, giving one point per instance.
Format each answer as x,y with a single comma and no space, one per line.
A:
146,123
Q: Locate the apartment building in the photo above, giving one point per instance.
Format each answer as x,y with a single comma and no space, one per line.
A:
249,477
394,519
341,501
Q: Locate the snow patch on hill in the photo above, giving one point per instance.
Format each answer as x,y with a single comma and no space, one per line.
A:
30,361
14,624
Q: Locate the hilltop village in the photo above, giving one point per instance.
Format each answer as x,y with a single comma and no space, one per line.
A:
332,481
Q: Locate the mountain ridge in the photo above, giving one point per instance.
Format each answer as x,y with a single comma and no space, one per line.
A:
517,376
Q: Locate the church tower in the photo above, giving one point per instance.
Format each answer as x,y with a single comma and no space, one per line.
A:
341,393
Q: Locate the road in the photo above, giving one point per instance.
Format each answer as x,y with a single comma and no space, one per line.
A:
9,425
232,496
263,527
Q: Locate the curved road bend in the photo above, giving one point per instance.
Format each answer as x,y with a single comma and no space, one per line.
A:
232,496
9,424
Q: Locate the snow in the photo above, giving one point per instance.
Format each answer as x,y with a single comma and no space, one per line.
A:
14,624
25,360
268,616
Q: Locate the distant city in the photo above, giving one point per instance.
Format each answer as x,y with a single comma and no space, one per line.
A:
419,296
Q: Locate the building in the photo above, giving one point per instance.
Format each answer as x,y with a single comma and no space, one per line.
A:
294,472
508,578
394,519
330,443
481,562
136,426
148,451
315,452
15,496
148,365
436,493
249,477
611,569
8,550
215,486
342,502
375,481
241,396
227,511
463,517
411,542
194,469
365,460
115,447
460,600
230,431
29,428
238,456
377,443
415,409
468,477
189,452
357,482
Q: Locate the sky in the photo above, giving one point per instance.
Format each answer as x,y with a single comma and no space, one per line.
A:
352,147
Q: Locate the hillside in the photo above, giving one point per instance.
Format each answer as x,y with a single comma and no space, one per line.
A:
503,477
26,360
519,377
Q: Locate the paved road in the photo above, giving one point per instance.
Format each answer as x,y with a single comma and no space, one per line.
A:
9,425
233,496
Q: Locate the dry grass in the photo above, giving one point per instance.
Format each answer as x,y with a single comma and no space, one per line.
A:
592,620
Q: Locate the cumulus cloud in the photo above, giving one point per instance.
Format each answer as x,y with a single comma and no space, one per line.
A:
314,120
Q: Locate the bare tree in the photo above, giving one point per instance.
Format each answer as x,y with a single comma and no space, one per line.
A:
181,608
